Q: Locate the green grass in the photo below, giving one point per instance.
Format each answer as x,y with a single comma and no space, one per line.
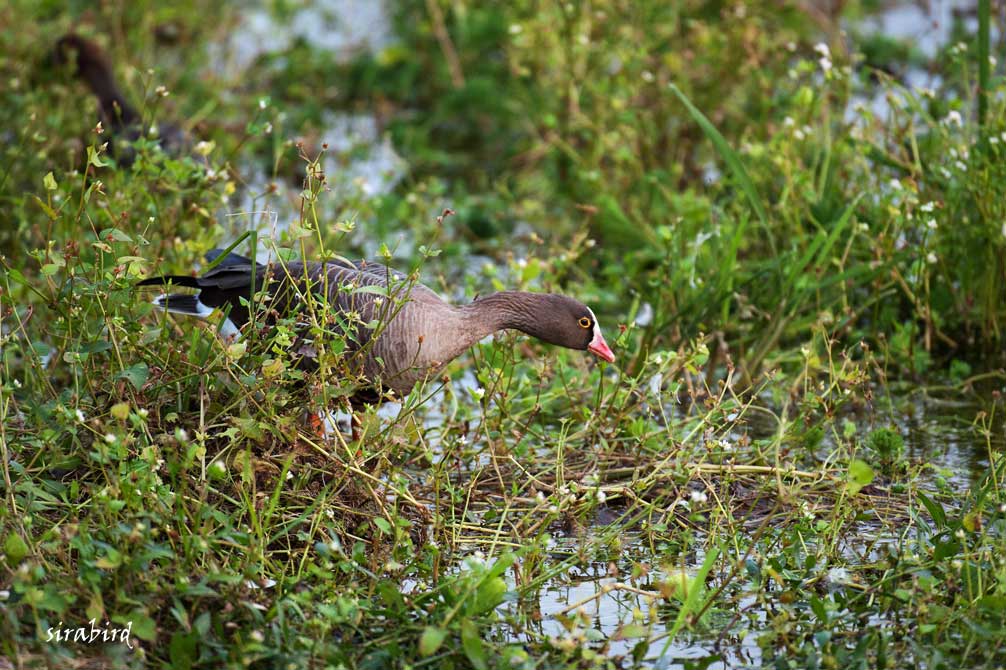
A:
747,477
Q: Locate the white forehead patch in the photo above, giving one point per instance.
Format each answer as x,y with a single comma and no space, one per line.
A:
597,326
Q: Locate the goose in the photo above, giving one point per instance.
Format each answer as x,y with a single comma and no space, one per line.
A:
397,331
123,121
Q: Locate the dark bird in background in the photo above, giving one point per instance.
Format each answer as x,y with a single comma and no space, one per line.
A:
418,335
91,65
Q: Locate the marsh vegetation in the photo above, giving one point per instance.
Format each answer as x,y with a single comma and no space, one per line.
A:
790,223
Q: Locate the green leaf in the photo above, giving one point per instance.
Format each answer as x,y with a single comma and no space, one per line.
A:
116,235
375,290
860,475
96,607
431,640
15,549
944,550
691,603
95,347
143,626
182,650
471,642
46,208
136,375
819,610
631,630
489,595
202,624
740,173
92,157
935,510
50,182
383,524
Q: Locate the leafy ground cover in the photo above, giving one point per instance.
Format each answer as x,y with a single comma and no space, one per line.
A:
793,249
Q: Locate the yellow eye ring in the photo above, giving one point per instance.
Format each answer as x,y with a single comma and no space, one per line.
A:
584,322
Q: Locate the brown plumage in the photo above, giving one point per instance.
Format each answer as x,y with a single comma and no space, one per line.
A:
91,65
398,332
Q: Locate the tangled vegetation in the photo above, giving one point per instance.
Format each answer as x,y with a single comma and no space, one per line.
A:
794,251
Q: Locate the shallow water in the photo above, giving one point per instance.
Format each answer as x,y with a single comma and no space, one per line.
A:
360,161
937,430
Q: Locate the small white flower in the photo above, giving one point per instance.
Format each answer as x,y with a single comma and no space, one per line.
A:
262,104
993,140
931,258
799,134
478,393
698,497
788,122
838,575
953,117
110,438
895,185
162,91
931,224
647,76
289,475
822,49
825,64
552,509
928,207
143,412
80,416
961,166
601,496
539,497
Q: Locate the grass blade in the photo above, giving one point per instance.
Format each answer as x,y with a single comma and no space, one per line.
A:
731,158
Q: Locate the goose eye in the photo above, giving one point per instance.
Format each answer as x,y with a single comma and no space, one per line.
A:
584,322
